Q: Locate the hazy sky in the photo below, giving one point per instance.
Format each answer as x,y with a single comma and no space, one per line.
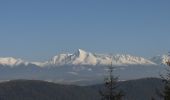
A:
40,29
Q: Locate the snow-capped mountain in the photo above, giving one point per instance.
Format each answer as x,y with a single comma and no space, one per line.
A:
81,57
82,65
160,59
10,61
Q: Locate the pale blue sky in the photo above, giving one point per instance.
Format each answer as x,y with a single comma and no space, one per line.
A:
40,29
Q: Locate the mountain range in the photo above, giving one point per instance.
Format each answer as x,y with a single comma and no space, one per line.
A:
82,67
81,57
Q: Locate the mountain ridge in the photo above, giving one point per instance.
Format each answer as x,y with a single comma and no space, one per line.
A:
141,89
80,67
82,57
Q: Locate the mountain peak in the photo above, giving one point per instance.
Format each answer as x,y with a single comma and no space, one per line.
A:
160,59
80,52
10,61
81,57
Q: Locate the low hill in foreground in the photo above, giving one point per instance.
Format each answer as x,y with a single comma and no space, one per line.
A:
142,89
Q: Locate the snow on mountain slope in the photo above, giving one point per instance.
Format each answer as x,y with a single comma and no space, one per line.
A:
10,61
79,65
128,59
81,57
40,64
160,59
